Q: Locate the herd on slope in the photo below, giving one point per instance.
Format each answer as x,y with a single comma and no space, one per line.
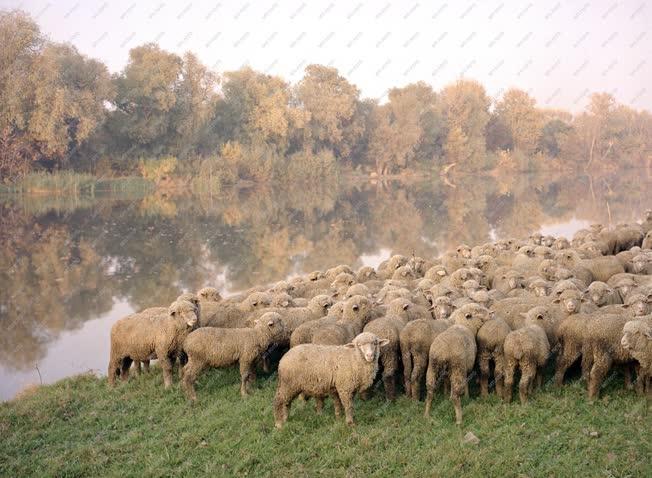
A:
497,308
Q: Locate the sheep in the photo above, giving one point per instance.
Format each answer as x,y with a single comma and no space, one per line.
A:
399,313
561,243
138,337
357,289
454,351
508,280
628,236
528,348
646,225
511,308
333,272
386,269
436,273
490,338
234,315
637,341
222,347
355,315
601,268
209,294
601,294
322,370
538,287
647,240
642,264
415,340
303,334
442,308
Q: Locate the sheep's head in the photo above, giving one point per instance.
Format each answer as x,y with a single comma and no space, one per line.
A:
599,293
193,299
562,286
463,251
471,286
343,279
536,238
185,312
640,263
570,301
256,301
637,337
368,346
472,316
547,269
515,280
321,303
400,307
357,307
281,299
568,258
527,251
209,294
404,273
366,273
548,241
271,323
624,286
315,276
442,308
357,289
543,252
542,317
638,304
396,261
424,285
561,243
436,273
484,262
539,287
648,215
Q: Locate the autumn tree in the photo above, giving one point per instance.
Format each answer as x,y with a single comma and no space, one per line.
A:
517,111
466,112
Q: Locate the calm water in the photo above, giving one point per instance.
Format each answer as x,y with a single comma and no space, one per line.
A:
70,267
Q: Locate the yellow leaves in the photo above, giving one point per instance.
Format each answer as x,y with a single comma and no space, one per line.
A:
157,169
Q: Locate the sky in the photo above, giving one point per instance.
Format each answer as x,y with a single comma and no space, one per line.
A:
559,52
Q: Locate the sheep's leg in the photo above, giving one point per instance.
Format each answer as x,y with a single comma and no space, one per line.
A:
639,384
124,369
112,372
539,378
245,376
190,373
528,371
510,368
483,363
629,384
587,362
390,364
166,365
183,360
458,387
337,403
564,361
418,372
601,365
346,397
407,373
432,374
146,366
136,368
499,374
319,405
282,403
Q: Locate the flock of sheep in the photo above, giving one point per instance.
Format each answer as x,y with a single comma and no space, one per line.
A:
503,306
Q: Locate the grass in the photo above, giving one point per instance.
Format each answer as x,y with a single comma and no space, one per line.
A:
78,427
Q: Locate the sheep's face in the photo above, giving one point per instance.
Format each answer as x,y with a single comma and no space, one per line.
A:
547,269
270,322
599,293
640,263
536,238
403,273
368,346
184,312
548,241
638,304
568,258
357,289
527,251
464,251
442,308
209,294
193,299
315,276
648,215
570,301
625,287
539,288
637,336
561,243
516,281
256,301
322,302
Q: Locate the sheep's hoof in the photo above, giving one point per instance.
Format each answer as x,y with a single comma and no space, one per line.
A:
278,425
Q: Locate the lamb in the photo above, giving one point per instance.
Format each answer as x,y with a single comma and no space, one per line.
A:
637,341
490,339
322,370
234,315
454,351
528,348
138,337
415,340
222,347
399,313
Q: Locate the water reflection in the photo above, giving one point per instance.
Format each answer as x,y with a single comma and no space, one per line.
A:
70,267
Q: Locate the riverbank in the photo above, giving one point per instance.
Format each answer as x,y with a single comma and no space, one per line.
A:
79,427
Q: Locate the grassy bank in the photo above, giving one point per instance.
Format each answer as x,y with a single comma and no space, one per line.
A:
78,427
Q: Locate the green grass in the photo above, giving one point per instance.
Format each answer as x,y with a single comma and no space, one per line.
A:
78,427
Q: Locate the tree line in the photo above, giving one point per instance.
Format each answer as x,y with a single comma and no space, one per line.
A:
60,109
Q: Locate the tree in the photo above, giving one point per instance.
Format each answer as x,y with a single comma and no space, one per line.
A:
466,112
518,113
331,103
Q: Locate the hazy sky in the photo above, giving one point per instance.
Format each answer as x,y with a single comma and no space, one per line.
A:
558,51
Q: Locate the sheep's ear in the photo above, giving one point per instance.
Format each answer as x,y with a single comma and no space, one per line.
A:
350,345
173,313
256,323
270,323
285,303
355,307
625,306
383,342
556,301
441,273
405,306
492,315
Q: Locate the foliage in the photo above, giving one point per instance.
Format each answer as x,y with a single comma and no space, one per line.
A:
157,170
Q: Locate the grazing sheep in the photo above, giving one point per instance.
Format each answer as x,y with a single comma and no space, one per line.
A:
222,347
454,351
415,340
528,349
138,337
322,370
490,338
637,341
